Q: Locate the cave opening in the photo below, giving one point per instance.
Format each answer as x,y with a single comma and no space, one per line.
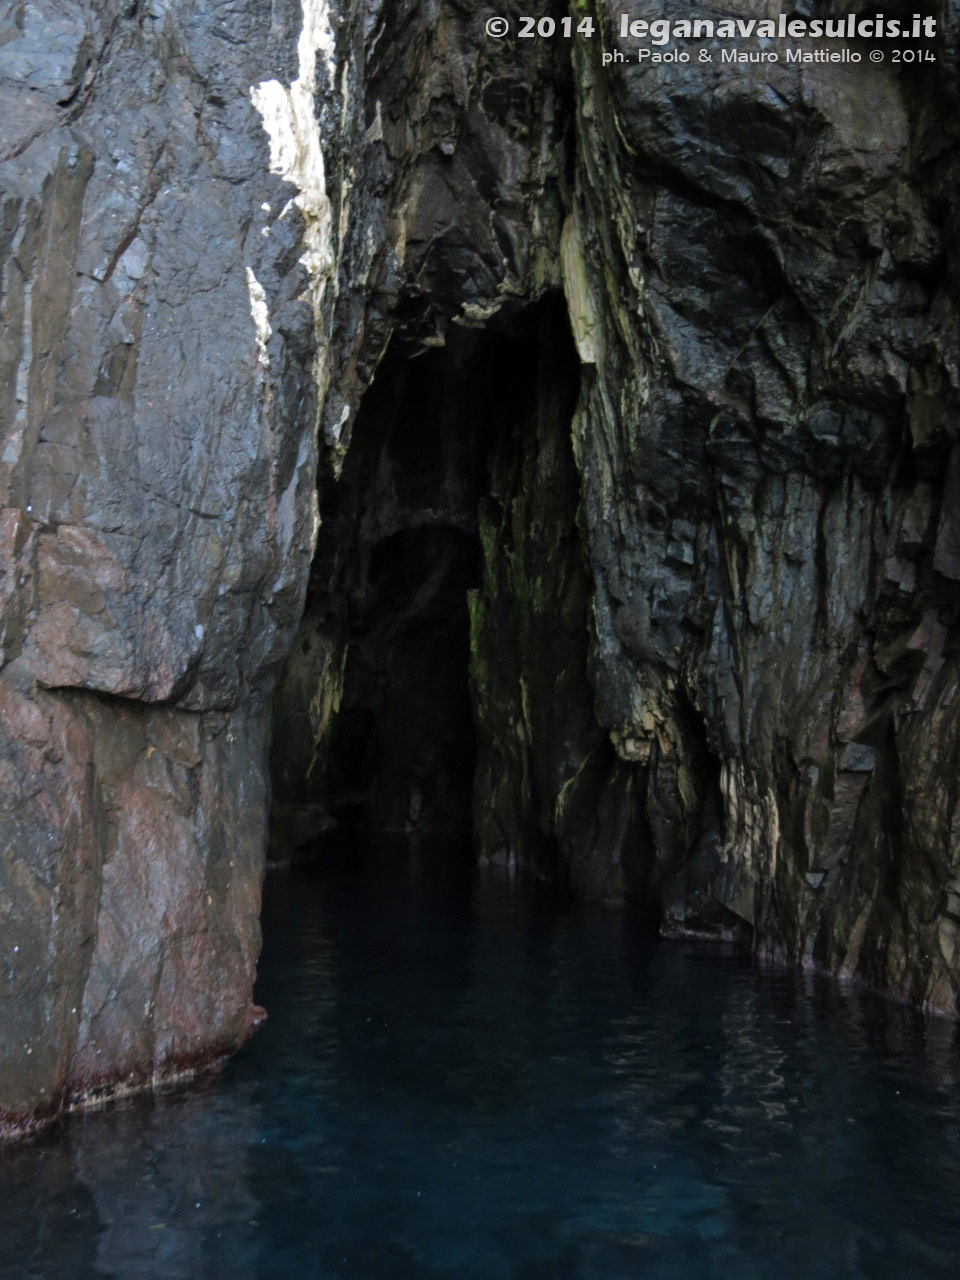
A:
401,754
374,716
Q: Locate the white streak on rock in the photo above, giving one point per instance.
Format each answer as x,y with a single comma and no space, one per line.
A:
288,117
261,317
287,112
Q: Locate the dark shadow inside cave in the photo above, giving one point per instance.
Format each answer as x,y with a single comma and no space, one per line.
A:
401,754
373,724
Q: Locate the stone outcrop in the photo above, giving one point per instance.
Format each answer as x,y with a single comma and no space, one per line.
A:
767,445
713,633
157,504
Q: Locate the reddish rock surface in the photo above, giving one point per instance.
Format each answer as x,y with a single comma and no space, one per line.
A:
157,498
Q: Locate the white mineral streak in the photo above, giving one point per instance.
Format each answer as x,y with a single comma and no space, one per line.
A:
287,112
288,118
261,317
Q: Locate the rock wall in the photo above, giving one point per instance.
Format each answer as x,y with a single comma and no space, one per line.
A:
763,298
157,505
713,652
767,445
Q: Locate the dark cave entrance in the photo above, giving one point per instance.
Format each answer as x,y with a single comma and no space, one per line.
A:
373,725
402,752
401,748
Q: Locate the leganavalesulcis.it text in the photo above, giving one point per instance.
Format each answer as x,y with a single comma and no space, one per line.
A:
661,31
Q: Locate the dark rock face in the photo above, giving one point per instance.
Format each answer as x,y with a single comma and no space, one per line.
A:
768,460
761,296
711,645
157,482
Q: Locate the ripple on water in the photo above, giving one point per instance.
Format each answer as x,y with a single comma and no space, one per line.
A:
462,1077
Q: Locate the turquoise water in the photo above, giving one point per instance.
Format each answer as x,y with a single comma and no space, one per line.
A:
465,1078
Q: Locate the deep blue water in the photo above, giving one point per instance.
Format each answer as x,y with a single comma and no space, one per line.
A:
467,1078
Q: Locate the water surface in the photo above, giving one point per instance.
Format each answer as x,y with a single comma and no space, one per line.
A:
467,1078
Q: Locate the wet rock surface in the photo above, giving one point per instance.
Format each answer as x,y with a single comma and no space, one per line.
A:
712,647
767,451
157,491
712,665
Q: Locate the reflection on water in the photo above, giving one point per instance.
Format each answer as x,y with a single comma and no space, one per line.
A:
464,1078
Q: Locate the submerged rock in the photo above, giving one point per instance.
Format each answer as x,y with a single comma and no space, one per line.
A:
712,623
